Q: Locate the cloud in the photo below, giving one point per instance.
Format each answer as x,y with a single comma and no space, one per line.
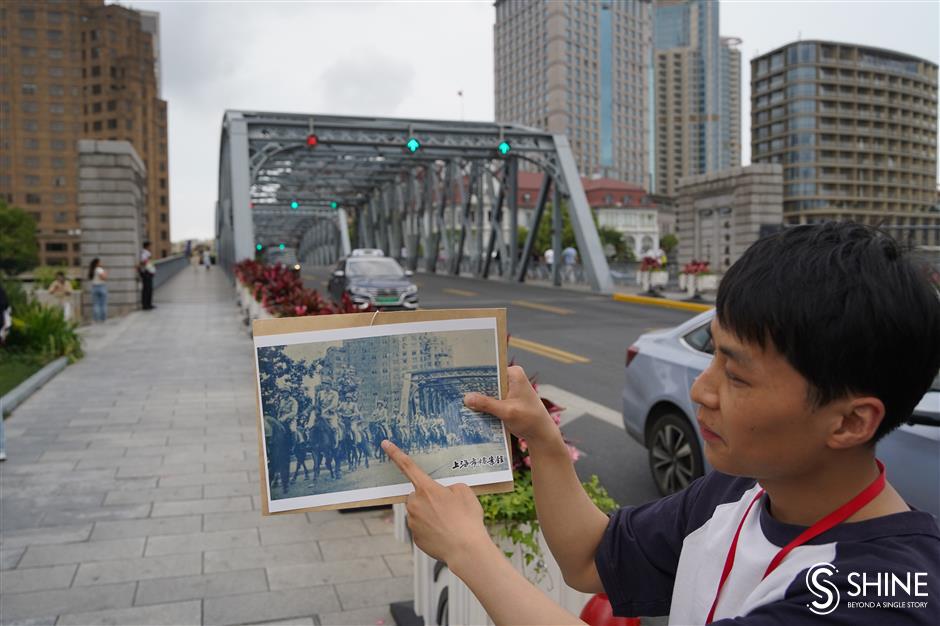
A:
365,83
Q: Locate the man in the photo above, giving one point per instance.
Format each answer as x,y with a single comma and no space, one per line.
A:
327,404
146,269
811,369
569,257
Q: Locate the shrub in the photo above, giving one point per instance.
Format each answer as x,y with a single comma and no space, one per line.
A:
282,293
43,330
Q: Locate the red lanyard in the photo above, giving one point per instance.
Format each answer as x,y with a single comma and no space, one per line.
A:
833,519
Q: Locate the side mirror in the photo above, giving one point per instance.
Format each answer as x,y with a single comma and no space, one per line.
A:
339,273
409,273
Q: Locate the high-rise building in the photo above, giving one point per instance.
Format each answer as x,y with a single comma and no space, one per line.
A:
855,129
70,71
697,93
580,69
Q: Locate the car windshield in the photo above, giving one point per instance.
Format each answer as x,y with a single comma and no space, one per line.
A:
372,267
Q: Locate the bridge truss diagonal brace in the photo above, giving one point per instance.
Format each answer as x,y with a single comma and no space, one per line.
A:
582,222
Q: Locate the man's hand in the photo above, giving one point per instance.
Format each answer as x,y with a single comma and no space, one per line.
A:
445,522
522,410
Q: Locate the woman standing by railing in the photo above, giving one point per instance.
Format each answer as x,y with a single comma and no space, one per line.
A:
99,290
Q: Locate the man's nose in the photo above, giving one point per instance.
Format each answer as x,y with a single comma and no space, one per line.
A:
703,390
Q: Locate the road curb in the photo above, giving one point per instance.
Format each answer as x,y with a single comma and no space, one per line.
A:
663,302
31,385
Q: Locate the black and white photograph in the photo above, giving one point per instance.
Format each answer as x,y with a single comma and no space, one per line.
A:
328,398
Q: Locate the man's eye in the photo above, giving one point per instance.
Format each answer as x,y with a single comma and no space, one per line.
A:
733,378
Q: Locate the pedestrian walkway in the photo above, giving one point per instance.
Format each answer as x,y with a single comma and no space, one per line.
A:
131,491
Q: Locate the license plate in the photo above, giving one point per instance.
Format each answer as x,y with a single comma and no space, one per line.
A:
386,300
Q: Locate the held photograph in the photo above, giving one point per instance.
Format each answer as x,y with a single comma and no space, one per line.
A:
327,399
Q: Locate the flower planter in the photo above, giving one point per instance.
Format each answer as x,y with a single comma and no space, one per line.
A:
659,278
707,282
682,281
437,589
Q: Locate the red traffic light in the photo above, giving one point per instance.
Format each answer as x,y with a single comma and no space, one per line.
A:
312,140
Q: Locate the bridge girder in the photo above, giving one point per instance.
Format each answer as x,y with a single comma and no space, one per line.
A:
454,198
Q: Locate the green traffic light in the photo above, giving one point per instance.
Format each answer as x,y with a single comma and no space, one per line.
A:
258,247
413,145
334,204
504,148
294,204
281,246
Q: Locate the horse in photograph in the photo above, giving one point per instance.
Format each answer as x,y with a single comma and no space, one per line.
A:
361,450
323,444
278,444
378,434
299,450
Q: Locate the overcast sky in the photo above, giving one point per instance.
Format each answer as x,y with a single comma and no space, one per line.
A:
411,59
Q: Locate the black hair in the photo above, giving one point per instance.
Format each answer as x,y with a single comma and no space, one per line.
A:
846,306
91,268
146,243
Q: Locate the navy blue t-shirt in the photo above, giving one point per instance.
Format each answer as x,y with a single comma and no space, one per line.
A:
666,557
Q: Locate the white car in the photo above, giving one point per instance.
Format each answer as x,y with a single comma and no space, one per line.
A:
659,413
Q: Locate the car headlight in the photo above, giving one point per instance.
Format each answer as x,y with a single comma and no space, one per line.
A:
411,289
297,266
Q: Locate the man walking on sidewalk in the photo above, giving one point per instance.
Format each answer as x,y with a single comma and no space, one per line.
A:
146,269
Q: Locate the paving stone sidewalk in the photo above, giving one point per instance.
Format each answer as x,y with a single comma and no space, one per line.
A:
130,495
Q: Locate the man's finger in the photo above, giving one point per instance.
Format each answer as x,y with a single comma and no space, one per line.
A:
408,467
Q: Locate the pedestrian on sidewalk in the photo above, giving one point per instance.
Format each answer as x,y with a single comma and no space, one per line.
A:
569,257
62,290
6,322
99,290
807,376
550,262
206,258
146,269
6,316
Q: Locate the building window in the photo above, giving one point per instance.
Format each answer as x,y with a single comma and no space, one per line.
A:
58,198
96,125
33,198
55,246
56,144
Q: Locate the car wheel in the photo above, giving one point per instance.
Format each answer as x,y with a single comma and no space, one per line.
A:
674,453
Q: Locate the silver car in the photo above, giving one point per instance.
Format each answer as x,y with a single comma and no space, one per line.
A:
659,413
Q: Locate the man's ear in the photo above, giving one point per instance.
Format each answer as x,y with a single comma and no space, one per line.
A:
861,417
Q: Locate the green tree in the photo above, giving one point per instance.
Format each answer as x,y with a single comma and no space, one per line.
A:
19,250
668,243
613,237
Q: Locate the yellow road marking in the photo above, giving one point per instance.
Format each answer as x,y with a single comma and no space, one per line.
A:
663,302
546,351
542,307
460,292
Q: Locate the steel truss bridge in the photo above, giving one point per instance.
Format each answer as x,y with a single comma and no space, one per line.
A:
441,196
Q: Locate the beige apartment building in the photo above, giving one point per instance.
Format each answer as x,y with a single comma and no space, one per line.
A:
580,68
697,93
73,70
855,129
